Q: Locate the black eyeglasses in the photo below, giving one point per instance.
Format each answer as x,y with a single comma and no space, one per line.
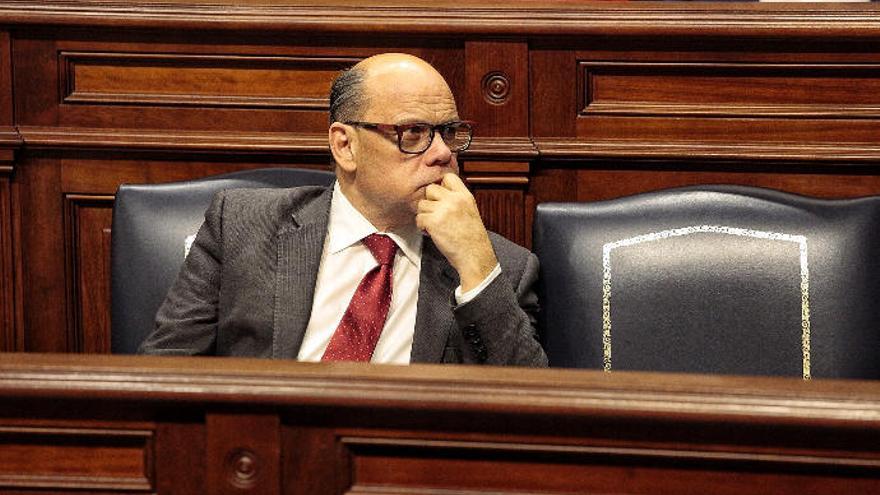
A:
417,137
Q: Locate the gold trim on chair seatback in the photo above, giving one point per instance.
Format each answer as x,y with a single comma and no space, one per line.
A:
707,229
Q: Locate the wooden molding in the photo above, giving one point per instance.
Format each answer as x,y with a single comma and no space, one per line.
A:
174,140
36,137
173,79
6,96
502,208
513,17
811,90
9,338
735,111
497,180
506,148
572,148
554,392
129,470
9,137
365,448
10,142
87,254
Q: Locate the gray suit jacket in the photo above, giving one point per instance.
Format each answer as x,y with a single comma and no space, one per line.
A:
247,286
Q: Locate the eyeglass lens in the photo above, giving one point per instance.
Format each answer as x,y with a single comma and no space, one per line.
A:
418,138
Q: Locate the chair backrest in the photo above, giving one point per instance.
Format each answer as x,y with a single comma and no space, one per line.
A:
712,279
151,225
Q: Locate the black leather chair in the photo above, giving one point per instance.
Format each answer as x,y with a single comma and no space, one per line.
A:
712,279
152,224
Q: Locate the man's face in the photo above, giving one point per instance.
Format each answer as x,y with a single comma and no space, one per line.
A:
389,181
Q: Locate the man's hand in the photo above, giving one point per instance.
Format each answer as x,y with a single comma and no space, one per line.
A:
449,215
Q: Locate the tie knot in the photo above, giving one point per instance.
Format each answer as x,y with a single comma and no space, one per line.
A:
382,247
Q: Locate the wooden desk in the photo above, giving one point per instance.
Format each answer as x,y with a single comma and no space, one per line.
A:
113,424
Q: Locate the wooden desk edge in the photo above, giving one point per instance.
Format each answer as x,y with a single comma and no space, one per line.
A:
551,392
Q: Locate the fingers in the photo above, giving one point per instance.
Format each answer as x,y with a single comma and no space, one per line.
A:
436,192
422,222
449,183
453,182
446,204
426,206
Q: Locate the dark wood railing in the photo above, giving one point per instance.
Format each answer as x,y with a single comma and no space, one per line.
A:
114,424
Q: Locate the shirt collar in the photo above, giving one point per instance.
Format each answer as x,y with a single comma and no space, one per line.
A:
347,226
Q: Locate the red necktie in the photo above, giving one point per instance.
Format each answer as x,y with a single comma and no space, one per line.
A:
356,336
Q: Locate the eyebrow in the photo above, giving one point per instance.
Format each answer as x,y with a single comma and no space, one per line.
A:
417,121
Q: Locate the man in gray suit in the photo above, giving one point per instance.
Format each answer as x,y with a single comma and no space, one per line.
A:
272,271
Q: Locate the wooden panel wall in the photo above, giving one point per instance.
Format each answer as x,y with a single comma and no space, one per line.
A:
575,101
10,331
798,116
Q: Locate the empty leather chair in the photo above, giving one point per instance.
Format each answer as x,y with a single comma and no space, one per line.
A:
712,279
152,224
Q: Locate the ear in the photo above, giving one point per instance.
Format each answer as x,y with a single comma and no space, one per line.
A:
342,144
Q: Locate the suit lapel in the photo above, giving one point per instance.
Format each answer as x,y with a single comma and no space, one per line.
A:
300,243
434,319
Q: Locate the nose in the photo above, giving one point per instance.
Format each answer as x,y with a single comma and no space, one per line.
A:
438,154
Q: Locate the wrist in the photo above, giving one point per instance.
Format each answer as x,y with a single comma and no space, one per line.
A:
472,276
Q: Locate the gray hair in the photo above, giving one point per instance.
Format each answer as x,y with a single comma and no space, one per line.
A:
347,99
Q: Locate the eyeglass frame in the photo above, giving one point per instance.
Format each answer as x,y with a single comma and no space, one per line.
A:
399,129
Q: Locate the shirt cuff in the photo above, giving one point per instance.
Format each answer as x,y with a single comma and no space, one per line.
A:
471,294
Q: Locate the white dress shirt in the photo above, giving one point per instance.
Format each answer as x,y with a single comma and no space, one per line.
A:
344,262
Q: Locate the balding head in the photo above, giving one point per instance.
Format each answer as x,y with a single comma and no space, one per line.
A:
397,65
354,89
